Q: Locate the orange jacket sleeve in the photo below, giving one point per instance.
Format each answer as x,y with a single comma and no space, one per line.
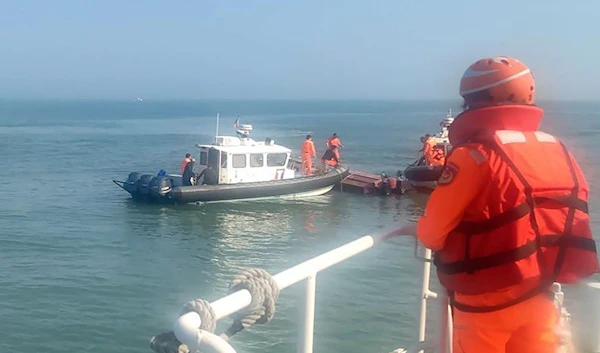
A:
463,178
313,153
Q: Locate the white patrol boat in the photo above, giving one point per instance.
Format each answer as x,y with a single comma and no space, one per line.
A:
246,169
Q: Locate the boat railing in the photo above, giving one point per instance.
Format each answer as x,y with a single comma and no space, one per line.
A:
253,293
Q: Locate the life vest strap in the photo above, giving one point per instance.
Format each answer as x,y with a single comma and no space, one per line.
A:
518,212
554,240
498,221
567,200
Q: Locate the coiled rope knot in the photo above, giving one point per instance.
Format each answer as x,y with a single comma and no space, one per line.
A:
264,292
208,318
167,342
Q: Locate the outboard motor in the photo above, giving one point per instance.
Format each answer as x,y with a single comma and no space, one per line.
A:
160,186
144,185
131,184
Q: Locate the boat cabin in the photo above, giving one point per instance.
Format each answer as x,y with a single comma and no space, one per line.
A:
240,159
441,138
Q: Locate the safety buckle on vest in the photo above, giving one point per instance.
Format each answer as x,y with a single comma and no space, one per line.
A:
420,257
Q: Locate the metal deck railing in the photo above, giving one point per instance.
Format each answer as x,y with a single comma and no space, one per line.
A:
196,334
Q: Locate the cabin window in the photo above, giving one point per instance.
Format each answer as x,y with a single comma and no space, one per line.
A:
257,160
276,159
203,158
239,160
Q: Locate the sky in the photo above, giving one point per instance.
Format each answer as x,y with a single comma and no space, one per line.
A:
284,49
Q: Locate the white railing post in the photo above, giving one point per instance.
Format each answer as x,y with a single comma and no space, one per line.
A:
445,343
425,293
307,312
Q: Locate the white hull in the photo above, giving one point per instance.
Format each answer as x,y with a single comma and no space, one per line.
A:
295,196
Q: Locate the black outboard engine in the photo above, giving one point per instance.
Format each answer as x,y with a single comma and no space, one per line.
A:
131,184
144,185
160,186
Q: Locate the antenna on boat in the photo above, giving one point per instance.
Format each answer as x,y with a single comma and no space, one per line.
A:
217,129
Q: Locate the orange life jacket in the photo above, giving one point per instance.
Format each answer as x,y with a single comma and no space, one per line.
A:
333,141
534,226
184,163
433,154
437,154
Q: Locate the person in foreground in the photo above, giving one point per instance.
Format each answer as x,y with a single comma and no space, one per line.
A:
508,218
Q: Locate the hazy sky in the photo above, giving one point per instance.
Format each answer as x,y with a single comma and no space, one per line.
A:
247,49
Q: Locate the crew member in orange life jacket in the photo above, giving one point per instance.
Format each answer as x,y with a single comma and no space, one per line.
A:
329,158
185,161
334,140
508,217
433,155
308,153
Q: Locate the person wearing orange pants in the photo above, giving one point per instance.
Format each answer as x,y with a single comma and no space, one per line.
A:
308,153
508,217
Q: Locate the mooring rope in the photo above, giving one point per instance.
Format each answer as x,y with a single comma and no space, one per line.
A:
264,292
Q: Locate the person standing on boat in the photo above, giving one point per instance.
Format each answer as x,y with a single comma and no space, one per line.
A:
185,161
188,173
334,140
308,153
330,158
508,217
210,176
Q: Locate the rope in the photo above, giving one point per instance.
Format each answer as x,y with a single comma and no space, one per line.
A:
342,180
264,292
206,312
167,342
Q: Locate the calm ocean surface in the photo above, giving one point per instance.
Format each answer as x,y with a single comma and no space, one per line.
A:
84,269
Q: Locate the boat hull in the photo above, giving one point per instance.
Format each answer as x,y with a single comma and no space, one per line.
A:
422,179
285,189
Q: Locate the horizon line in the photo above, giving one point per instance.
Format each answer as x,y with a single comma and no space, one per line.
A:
23,99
